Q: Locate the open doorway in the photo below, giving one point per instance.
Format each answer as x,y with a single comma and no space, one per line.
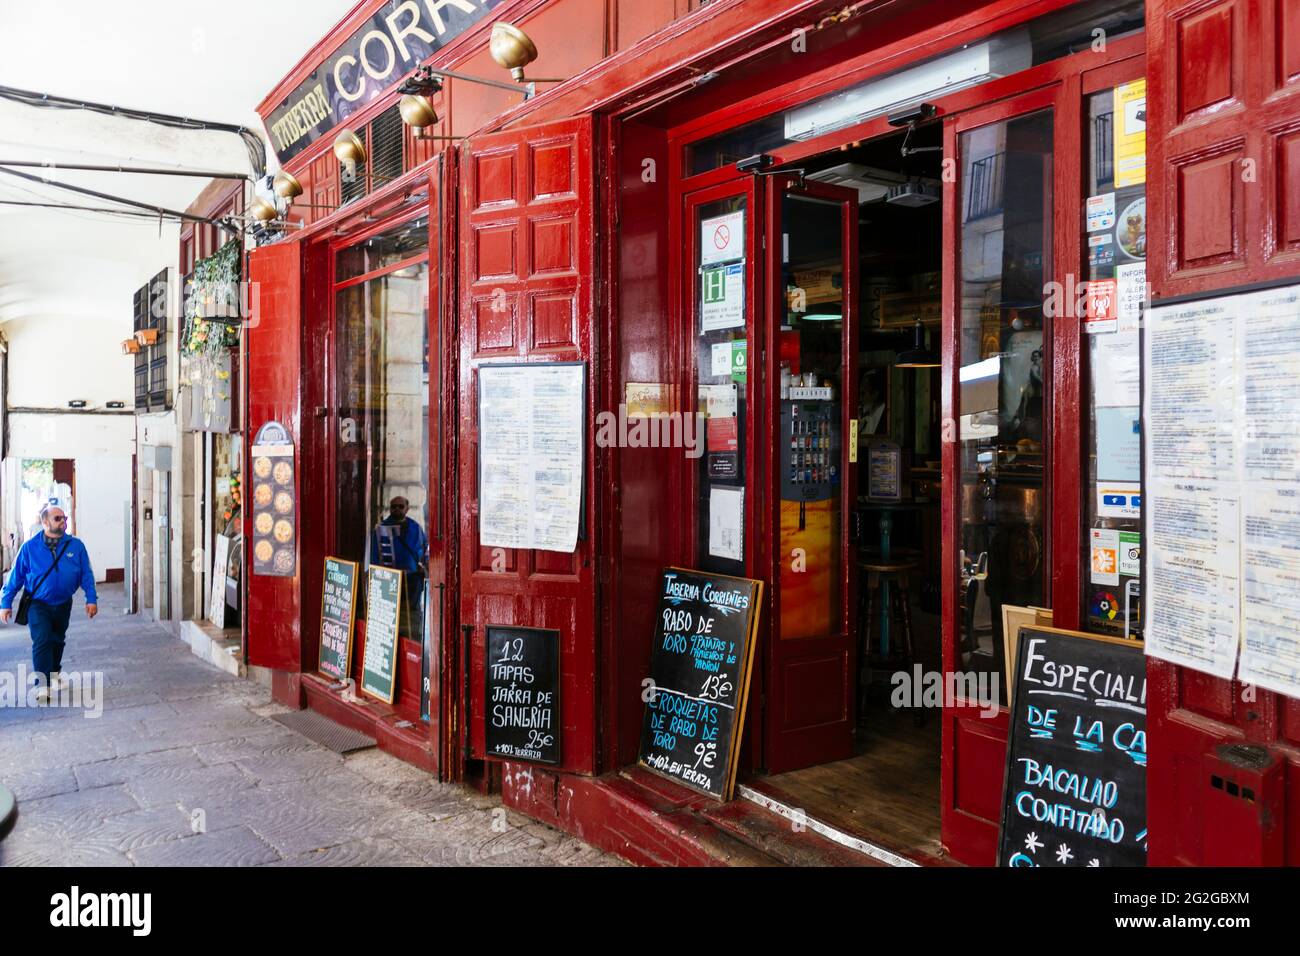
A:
887,790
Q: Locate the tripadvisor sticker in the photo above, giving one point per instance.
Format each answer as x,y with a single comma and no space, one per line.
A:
739,361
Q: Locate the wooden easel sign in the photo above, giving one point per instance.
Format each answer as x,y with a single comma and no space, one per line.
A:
700,666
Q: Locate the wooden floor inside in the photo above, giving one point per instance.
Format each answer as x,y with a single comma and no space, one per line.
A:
887,795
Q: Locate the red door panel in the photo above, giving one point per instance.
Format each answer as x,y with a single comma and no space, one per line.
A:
527,289
274,394
1223,127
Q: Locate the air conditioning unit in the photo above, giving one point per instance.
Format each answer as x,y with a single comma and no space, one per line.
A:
913,194
1002,55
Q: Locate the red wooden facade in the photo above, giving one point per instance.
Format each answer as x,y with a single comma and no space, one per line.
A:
554,245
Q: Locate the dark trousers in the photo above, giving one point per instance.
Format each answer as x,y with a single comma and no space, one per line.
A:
48,625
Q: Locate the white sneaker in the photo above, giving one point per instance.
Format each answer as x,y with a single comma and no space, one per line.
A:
58,681
42,695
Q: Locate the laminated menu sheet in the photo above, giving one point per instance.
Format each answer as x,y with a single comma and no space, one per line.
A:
531,455
1221,447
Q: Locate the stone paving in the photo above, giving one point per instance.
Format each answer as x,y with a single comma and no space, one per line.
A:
185,767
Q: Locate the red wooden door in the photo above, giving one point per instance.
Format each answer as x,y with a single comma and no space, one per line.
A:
274,394
1223,160
527,260
811,317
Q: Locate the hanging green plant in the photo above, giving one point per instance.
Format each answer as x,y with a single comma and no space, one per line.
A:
212,307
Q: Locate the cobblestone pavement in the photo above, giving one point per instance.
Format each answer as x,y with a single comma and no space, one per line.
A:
185,767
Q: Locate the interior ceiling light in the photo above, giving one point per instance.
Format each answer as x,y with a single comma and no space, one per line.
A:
919,355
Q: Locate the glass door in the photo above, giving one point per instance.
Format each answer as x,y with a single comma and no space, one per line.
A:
811,315
722,342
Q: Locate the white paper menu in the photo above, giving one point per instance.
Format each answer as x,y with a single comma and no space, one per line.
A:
531,455
1221,445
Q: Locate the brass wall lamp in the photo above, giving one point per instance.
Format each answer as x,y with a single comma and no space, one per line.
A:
511,49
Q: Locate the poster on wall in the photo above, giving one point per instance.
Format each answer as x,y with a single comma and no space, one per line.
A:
532,437
1221,408
1131,133
273,496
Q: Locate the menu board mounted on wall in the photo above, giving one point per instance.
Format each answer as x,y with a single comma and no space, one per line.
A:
1076,791
274,501
1221,484
700,664
383,611
522,694
532,444
338,607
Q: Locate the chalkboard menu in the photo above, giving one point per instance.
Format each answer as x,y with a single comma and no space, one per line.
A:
700,664
338,603
383,611
1076,790
522,694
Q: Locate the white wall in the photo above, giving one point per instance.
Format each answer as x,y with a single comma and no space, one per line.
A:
101,446
54,360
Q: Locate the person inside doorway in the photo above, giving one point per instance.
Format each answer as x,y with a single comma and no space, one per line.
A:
399,542
51,566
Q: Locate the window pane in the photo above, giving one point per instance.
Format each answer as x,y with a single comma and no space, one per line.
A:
812,353
386,249
1114,244
381,392
1006,259
722,368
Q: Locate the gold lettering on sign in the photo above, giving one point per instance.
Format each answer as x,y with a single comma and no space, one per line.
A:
412,27
355,95
301,118
433,6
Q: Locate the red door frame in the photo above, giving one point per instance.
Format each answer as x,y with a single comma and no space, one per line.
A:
968,837
789,748
974,746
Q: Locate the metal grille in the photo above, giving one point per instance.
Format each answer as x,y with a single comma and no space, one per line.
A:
386,137
984,195
320,729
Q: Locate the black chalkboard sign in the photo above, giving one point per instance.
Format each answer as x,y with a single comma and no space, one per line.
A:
522,694
1076,775
700,664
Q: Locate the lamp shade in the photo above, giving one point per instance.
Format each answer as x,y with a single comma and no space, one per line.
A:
417,111
511,48
262,211
919,355
349,148
286,185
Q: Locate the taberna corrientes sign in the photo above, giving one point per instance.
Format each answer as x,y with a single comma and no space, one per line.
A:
392,43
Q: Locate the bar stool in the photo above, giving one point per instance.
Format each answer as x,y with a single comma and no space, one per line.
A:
888,577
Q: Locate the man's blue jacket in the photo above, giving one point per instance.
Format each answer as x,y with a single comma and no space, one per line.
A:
34,559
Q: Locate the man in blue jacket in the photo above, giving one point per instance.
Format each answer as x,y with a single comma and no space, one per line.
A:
47,620
398,541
